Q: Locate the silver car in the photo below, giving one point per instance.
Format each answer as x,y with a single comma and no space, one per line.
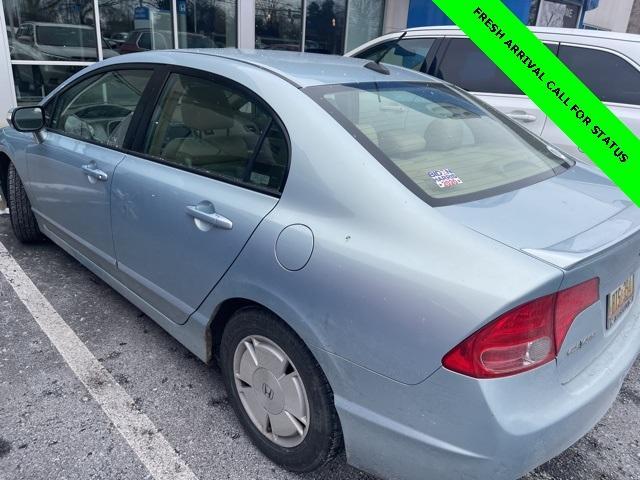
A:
375,258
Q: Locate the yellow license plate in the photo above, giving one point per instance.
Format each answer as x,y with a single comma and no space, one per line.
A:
619,301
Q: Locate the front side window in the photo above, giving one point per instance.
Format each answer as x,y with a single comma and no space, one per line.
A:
216,129
610,77
99,109
408,53
439,142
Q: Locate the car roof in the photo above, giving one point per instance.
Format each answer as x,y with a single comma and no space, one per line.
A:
310,69
629,37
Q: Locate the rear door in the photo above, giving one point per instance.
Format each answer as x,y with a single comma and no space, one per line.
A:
613,78
210,166
71,171
465,65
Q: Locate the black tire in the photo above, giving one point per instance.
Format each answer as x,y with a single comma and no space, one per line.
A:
323,440
24,224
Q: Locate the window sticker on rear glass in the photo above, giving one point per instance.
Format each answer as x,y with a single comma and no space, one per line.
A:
445,178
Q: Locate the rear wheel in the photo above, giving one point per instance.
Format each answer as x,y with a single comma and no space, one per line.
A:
23,221
279,392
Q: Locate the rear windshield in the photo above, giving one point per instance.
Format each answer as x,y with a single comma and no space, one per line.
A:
440,142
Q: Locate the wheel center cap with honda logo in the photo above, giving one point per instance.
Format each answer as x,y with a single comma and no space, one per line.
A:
268,391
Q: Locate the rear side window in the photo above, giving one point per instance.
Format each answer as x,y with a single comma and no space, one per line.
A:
610,77
216,129
467,66
408,53
100,108
442,144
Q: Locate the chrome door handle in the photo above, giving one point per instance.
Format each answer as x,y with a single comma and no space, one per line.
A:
523,117
94,172
212,218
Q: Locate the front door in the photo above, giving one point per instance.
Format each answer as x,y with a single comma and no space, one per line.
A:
71,171
210,168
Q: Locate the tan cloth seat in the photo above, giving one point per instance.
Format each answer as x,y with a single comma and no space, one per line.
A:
210,144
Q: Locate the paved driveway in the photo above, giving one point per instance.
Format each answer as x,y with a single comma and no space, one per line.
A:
52,426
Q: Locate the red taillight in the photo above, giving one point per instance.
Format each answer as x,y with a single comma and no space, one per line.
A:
570,303
524,338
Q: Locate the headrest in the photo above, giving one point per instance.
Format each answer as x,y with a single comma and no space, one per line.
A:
444,134
202,118
207,95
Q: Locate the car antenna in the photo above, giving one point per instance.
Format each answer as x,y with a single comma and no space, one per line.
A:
375,66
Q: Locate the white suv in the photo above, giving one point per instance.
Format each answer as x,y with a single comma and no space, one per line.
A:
608,63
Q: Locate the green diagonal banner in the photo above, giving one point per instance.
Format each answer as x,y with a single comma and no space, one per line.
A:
553,87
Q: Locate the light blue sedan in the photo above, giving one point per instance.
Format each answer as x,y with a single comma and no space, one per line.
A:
376,259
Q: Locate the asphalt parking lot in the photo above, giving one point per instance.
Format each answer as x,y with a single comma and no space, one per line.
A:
52,427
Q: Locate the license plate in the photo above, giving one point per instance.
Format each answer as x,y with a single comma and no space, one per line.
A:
619,301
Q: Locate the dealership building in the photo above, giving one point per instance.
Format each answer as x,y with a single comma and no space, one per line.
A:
43,42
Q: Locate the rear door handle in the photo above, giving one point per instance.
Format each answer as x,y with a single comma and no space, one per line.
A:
92,171
522,116
199,212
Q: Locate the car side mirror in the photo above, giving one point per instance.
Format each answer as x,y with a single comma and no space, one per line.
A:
27,119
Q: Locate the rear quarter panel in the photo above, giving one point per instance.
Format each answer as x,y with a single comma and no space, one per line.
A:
391,285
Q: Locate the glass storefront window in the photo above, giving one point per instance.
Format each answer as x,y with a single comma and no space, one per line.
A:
364,22
324,31
34,82
279,24
133,26
45,30
206,23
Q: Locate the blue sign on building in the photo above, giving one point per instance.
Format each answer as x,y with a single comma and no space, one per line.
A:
424,12
141,13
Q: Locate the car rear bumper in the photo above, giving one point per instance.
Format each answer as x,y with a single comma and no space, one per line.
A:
454,427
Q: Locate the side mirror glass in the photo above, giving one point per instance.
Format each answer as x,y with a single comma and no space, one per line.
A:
27,119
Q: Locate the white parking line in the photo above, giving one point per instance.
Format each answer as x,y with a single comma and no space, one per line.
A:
153,450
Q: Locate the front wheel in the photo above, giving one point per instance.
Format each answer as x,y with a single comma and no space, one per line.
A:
279,392
23,221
